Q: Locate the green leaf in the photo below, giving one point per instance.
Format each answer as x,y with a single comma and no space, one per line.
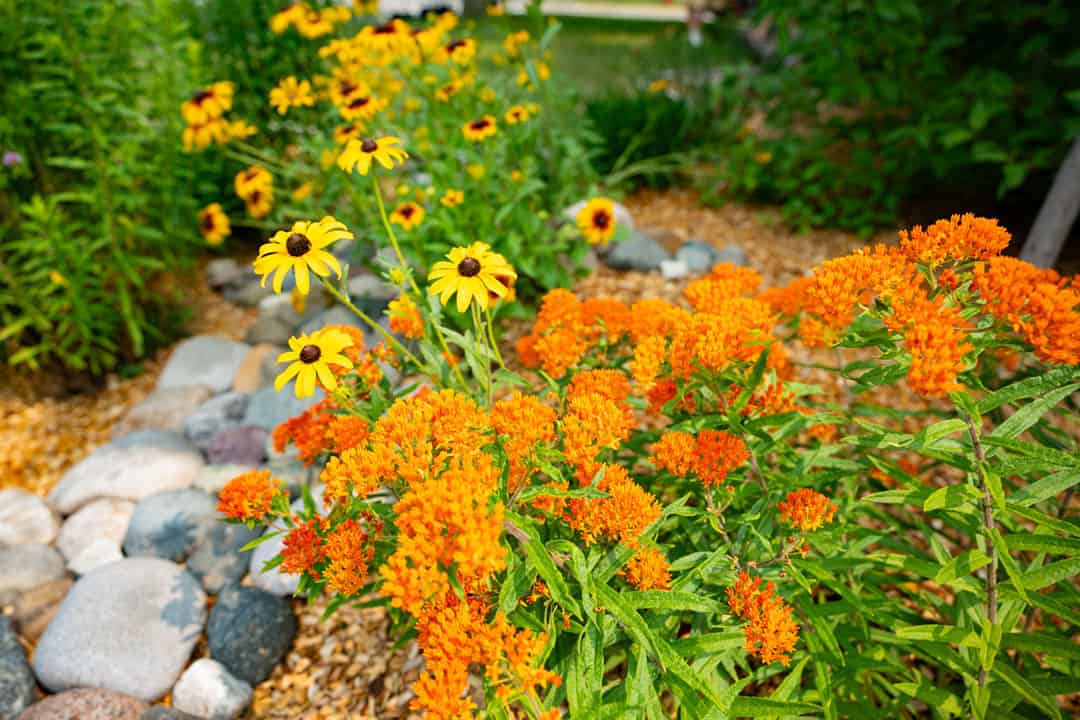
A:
1042,643
1048,705
744,706
260,540
938,698
963,565
1046,488
1028,415
541,560
1028,387
952,497
1052,573
964,637
669,600
585,681
1007,562
1049,544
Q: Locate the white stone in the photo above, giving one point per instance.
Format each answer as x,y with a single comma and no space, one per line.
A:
674,269
25,518
93,536
208,690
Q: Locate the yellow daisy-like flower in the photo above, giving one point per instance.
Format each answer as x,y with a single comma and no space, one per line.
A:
516,114
207,103
479,129
286,17
495,10
473,274
459,51
251,180
513,42
447,91
345,88
239,129
310,358
597,220
303,192
385,38
345,133
200,136
358,154
301,249
488,95
452,198
260,202
412,104
214,224
516,175
290,93
362,107
408,215
475,170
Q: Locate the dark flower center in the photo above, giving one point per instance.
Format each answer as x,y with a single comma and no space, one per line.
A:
601,219
407,211
310,353
387,29
369,146
454,46
359,102
346,87
469,267
201,96
297,245
254,198
479,124
208,222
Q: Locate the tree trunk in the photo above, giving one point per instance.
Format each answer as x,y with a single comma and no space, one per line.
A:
1057,214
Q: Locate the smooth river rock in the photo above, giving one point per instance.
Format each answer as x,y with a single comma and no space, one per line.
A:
169,524
204,360
86,704
25,518
92,536
208,690
17,686
25,567
164,409
250,631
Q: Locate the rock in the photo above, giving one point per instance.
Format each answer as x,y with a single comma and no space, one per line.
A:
637,252
17,686
249,377
337,315
164,409
35,608
132,467
248,293
169,524
275,582
216,560
204,360
281,308
25,567
288,467
222,272
160,712
698,256
208,690
733,254
268,330
214,477
26,518
622,215
269,408
129,626
674,269
86,704
250,631
92,537
213,416
240,445
371,293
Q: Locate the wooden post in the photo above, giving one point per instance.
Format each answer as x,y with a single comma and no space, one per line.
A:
1057,214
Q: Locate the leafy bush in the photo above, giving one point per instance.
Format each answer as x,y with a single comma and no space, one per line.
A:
97,204
667,521
865,107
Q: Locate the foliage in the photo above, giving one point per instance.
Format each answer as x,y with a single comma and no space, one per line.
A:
98,204
665,521
864,106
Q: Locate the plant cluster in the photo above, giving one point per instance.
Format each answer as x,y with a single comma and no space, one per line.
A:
661,519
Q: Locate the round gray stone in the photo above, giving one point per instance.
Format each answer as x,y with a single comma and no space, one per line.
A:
92,536
26,518
638,252
208,690
163,409
733,254
129,626
214,477
17,685
204,360
240,445
269,408
216,560
86,704
213,416
698,256
169,524
250,631
25,567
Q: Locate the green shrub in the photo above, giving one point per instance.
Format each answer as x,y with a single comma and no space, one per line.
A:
865,106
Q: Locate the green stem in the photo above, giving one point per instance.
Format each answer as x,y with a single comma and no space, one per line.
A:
491,337
478,326
390,339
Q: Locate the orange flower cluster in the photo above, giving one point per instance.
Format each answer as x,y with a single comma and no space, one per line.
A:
249,496
597,418
958,238
709,456
806,509
770,632
622,516
648,570
724,282
787,299
307,431
405,318
303,548
522,422
349,550
739,331
772,400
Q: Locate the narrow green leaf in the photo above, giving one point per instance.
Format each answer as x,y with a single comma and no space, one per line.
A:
941,633
1046,488
1030,414
1052,573
744,706
1048,705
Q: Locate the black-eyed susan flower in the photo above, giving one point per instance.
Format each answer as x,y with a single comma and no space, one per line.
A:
362,107
473,274
315,23
358,154
387,37
260,202
597,220
252,179
513,42
310,358
202,135
479,129
291,93
495,10
459,51
344,89
447,91
345,133
207,103
516,114
452,198
287,16
214,224
239,129
408,215
301,249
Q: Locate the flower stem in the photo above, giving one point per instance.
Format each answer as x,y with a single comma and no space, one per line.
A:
390,339
491,337
988,528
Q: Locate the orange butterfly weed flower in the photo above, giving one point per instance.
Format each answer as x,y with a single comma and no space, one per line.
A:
674,452
649,356
348,550
405,318
770,399
592,424
724,282
961,237
440,693
738,332
523,422
806,509
358,471
788,300
648,570
307,431
709,456
605,316
770,632
654,317
303,548
346,432
249,496
622,516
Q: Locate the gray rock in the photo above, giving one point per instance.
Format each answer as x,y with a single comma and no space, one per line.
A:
674,269
129,626
214,477
733,254
24,567
240,445
280,307
622,215
92,536
371,293
163,409
132,467
288,467
86,704
337,315
204,360
250,631
160,712
637,252
221,272
213,416
35,608
274,581
698,256
268,330
248,293
17,686
169,524
216,560
26,518
269,408
208,690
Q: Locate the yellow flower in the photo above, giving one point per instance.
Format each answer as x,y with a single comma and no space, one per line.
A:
542,74
516,114
459,51
214,224
488,95
513,42
402,190
290,93
239,129
496,10
202,135
253,179
298,300
288,15
479,129
260,202
301,249
304,191
516,175
597,220
474,274
208,103
658,86
362,107
408,215
447,91
366,7
345,133
763,158
358,154
310,358
56,278
397,276
475,170
412,104
452,198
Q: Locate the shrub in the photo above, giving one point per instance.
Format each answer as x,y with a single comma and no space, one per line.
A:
669,521
863,108
97,204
